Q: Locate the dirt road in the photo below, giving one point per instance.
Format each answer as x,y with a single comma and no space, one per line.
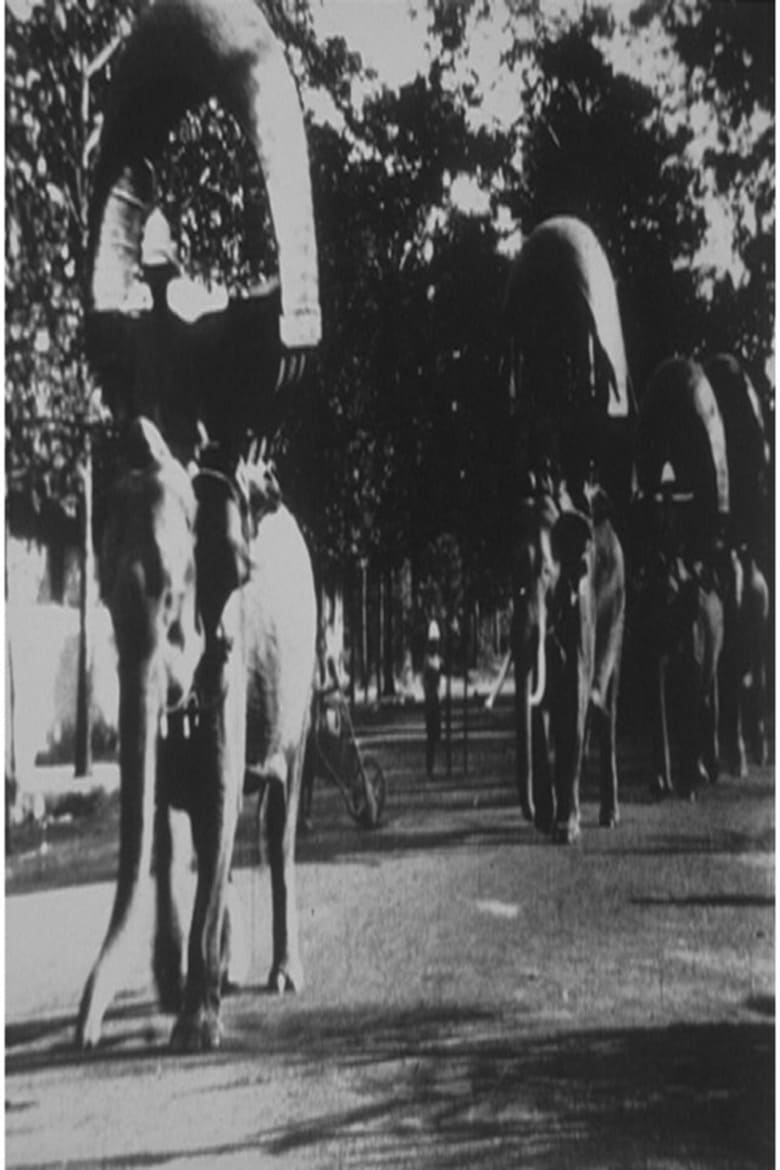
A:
475,996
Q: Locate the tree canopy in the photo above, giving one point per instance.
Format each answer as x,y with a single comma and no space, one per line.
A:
401,434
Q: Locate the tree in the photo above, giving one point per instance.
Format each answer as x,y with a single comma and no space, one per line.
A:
58,63
728,53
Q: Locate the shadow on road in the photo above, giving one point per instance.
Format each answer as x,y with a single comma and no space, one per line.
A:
455,1087
485,1089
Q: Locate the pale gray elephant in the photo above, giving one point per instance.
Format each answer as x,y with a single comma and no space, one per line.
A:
212,599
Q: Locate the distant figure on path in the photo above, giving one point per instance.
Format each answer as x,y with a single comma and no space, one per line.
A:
431,679
324,719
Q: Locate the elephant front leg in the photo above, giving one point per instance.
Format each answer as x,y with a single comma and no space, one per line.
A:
662,765
281,816
524,738
731,709
569,736
711,747
167,957
198,1028
220,745
753,697
606,719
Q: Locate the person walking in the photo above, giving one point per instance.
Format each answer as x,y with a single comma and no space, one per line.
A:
431,680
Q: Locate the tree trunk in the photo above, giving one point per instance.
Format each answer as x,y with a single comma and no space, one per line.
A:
83,745
407,623
364,624
388,655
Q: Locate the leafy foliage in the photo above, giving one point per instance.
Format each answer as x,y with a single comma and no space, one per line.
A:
401,434
51,104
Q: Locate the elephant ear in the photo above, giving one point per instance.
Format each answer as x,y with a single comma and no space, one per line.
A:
562,275
180,54
569,540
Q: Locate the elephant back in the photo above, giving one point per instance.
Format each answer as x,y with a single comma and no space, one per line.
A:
561,297
680,441
180,54
747,451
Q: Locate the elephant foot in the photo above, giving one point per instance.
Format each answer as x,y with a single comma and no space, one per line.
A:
759,755
567,832
169,981
87,1032
609,818
90,1019
737,761
170,996
201,1032
228,986
660,787
285,977
703,774
544,821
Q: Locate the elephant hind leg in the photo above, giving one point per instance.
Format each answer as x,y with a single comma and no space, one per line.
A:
544,806
170,848
281,817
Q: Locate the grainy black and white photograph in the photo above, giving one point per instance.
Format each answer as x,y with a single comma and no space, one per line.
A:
389,584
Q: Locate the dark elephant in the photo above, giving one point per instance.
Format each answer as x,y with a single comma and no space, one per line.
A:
212,599
571,401
679,515
679,616
743,584
570,390
569,611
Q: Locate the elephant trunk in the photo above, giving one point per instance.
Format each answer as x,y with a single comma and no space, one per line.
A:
140,701
537,694
523,725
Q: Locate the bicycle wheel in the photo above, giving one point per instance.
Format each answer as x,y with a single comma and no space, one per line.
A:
368,791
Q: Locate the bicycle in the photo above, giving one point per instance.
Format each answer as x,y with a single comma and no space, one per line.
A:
359,779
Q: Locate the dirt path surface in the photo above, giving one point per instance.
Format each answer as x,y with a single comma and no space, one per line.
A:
475,996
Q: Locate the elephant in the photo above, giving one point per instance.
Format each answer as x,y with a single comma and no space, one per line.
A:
679,614
743,585
680,512
572,403
211,593
569,613
742,675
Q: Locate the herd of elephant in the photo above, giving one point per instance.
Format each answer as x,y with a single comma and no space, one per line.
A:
684,580
210,586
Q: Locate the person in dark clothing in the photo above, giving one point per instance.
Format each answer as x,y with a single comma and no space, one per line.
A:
431,680
327,683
